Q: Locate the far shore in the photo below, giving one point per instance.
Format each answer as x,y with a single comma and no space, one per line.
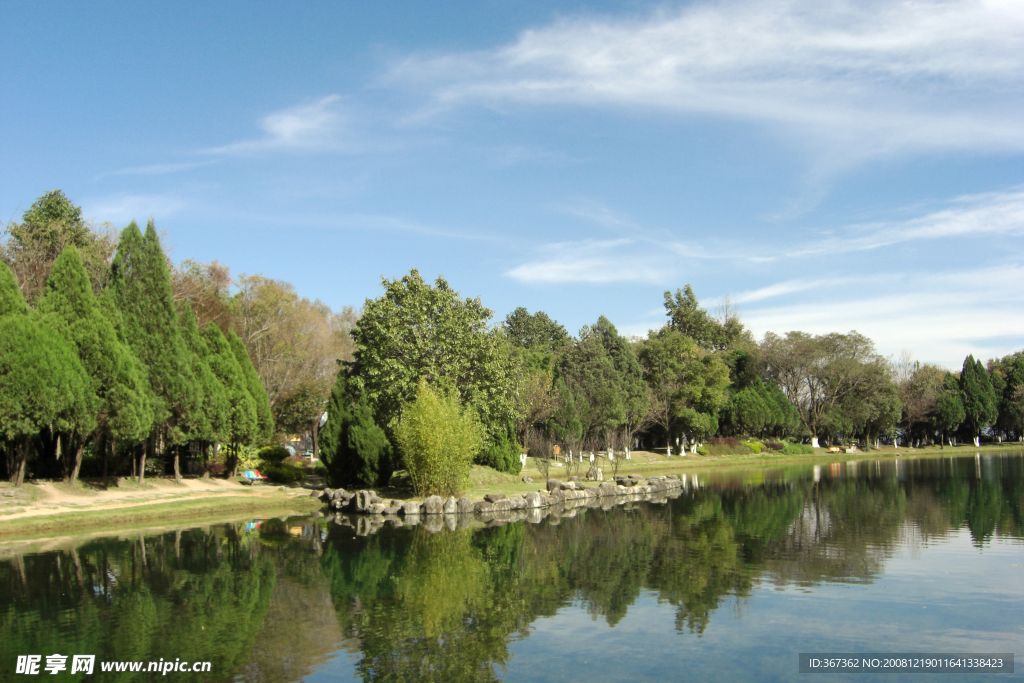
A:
47,508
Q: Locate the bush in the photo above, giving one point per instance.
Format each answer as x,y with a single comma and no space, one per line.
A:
438,438
728,441
502,454
755,446
283,474
797,449
272,455
215,469
701,450
355,451
775,445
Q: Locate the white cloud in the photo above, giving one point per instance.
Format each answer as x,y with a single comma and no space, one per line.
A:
863,77
157,169
314,126
590,261
120,209
940,317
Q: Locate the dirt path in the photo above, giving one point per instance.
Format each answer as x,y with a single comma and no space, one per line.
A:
53,498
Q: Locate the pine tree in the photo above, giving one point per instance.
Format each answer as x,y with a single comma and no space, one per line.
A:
12,301
205,424
948,413
242,422
1011,404
118,395
142,289
980,408
264,418
354,449
42,382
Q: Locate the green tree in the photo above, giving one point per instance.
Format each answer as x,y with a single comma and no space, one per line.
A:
242,424
264,419
536,331
42,382
355,450
686,316
589,375
12,301
118,395
49,226
1011,404
417,332
979,400
142,291
438,438
949,411
209,422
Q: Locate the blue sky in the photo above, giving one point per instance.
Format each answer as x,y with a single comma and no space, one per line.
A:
828,166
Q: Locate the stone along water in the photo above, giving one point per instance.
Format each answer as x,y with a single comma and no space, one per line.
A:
729,581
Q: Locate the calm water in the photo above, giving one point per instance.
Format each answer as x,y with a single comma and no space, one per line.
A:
729,581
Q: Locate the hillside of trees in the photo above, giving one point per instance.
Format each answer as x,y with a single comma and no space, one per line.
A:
115,361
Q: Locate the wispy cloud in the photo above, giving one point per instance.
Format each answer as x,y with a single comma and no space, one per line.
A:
120,209
865,78
313,126
590,261
158,169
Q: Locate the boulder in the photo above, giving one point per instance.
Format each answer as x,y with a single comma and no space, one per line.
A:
392,510
503,505
532,500
608,489
450,507
362,501
464,506
411,508
494,497
517,503
482,506
574,478
527,480
595,474
376,508
433,505
554,485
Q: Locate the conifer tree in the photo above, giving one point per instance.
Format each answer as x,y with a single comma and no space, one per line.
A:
1011,404
242,421
354,449
264,418
980,408
118,396
142,290
948,413
42,382
205,424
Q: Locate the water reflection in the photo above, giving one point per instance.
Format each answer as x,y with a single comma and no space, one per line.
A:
273,601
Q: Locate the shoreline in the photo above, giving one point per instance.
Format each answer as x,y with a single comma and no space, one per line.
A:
52,509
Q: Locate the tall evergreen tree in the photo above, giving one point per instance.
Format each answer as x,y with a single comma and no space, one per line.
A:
948,413
118,393
209,420
1011,403
242,424
142,290
264,418
980,407
354,449
42,382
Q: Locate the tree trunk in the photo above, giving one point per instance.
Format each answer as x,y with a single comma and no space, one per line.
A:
78,461
177,472
814,442
142,457
316,438
19,476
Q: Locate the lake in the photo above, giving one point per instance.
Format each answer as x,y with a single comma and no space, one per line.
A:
728,581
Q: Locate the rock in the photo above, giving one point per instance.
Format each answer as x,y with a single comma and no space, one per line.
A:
450,506
554,485
608,489
570,485
433,505
482,506
316,494
494,497
532,500
464,506
433,523
363,500
502,505
411,508
517,503
392,510
375,499
595,474
527,480
376,508
574,478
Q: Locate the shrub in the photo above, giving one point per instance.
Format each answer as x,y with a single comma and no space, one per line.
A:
755,446
797,449
215,469
701,450
775,445
502,454
729,441
272,455
438,438
283,474
355,450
